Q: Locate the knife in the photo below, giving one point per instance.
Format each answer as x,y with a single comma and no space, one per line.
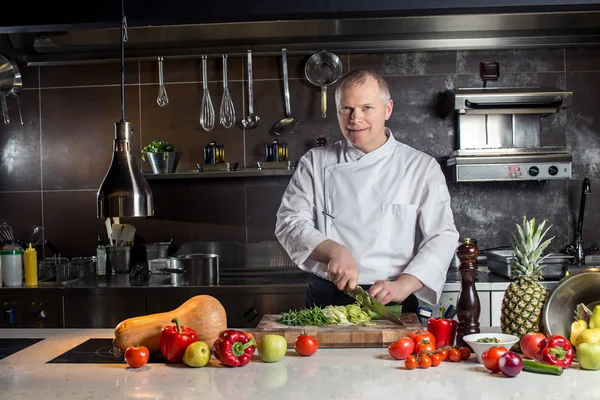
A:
370,303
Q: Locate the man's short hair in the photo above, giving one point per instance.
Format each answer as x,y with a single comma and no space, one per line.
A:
359,77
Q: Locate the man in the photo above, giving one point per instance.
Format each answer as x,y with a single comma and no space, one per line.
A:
368,210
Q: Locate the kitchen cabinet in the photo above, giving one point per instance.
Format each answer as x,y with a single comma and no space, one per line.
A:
101,310
496,307
243,310
22,310
451,298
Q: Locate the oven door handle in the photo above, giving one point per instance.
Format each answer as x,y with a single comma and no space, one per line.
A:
556,102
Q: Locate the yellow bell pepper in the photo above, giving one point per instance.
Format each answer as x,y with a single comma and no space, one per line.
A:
576,328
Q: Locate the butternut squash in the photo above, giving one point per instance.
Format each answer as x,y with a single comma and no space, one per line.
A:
203,313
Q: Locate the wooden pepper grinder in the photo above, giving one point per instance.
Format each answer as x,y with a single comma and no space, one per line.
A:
467,307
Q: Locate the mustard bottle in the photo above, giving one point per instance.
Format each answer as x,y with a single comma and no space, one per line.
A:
31,267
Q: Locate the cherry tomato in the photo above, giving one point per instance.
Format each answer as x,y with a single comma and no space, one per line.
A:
443,354
306,345
402,348
491,356
436,359
465,352
411,362
421,334
424,347
454,355
137,357
425,362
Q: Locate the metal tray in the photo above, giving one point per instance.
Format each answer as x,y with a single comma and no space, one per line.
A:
273,165
554,266
216,167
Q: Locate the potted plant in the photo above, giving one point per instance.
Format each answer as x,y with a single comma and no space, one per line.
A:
162,156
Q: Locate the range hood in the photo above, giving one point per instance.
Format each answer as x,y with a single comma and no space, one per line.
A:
499,138
84,43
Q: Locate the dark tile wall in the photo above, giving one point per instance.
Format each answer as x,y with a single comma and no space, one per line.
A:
52,166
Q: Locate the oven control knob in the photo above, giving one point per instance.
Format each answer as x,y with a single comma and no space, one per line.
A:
553,170
533,171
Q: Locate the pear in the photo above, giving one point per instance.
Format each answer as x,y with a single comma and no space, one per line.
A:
595,318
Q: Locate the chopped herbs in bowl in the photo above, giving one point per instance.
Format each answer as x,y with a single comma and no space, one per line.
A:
488,340
480,342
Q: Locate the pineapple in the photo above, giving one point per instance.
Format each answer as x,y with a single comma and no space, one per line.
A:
525,296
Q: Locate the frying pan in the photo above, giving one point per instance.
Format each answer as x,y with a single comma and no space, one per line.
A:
323,69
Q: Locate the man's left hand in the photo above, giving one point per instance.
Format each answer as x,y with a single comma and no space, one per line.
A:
396,291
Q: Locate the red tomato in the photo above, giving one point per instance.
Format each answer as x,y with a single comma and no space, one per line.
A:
436,359
443,353
425,362
529,343
422,334
137,357
465,353
411,362
306,345
424,347
491,356
454,355
402,348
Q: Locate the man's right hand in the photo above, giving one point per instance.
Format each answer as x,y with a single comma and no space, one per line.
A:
342,269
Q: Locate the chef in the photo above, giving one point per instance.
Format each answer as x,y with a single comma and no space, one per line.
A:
368,210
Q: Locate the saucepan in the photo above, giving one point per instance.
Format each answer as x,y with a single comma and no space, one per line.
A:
199,269
323,69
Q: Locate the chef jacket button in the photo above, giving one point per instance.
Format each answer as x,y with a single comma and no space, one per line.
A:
329,170
331,225
330,196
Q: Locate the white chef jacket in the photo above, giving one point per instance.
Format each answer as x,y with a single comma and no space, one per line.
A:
389,207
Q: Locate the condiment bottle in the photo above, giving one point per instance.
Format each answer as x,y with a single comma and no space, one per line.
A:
12,267
100,260
31,267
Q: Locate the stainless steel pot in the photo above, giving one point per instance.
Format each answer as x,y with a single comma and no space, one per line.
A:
198,269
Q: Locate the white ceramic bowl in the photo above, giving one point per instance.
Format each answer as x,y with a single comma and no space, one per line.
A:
507,341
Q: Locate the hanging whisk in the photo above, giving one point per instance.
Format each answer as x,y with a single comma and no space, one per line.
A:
6,233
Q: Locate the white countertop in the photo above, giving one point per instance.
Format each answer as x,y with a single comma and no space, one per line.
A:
330,373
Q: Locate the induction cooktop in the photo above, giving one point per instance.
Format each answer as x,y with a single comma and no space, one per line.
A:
98,351
11,346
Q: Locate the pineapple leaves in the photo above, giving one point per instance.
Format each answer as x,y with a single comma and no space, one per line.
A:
528,248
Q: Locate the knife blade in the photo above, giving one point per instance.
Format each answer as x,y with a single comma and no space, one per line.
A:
370,303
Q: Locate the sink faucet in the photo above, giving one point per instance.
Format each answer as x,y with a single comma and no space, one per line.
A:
576,249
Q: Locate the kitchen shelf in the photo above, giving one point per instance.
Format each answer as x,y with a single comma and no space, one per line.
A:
239,173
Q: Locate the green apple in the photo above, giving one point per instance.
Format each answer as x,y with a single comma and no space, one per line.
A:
272,348
197,354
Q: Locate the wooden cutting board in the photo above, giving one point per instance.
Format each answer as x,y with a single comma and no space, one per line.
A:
382,334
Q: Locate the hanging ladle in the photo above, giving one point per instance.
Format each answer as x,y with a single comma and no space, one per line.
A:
251,121
288,124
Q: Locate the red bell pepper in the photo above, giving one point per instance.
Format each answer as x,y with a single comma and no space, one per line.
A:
233,348
174,339
443,330
555,350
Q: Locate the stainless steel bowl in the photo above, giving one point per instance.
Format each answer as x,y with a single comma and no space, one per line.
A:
580,287
164,163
